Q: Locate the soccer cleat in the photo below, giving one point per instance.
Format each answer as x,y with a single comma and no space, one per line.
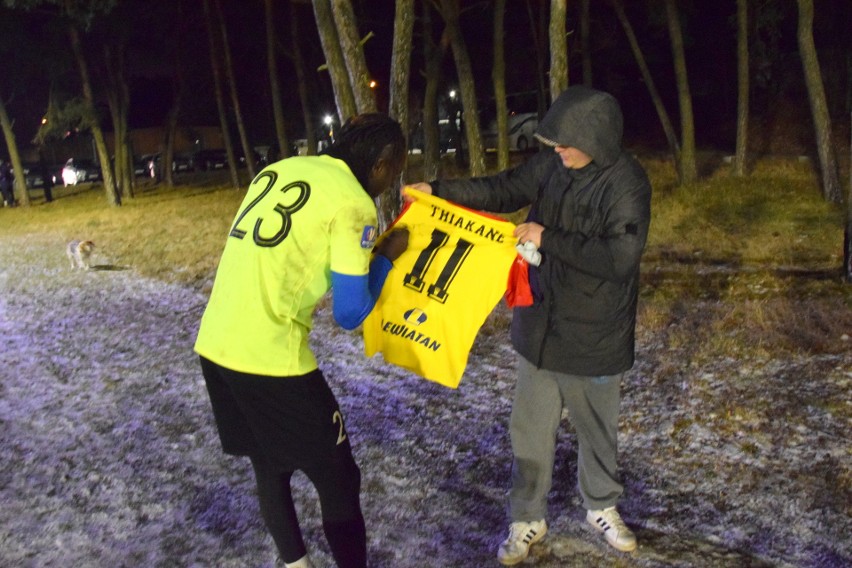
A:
609,522
521,536
303,562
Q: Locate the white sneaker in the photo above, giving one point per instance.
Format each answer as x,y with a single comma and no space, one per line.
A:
521,536
303,562
609,522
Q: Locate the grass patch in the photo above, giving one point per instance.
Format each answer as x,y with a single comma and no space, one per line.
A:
745,267
732,266
175,234
775,216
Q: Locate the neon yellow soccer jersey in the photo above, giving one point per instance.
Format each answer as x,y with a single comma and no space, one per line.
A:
441,289
301,219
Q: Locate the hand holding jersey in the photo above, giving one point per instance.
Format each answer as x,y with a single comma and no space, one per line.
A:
354,296
393,243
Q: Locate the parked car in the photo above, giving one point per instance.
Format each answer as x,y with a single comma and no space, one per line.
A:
78,171
147,165
299,147
183,163
151,165
448,138
211,159
265,154
90,167
258,159
32,174
521,129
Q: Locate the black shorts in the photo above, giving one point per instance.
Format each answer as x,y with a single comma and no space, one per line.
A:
295,422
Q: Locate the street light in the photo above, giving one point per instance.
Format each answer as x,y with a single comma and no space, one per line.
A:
328,120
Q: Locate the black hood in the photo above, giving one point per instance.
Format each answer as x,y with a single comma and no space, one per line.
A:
585,119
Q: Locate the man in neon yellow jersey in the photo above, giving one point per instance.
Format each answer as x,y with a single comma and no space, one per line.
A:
307,224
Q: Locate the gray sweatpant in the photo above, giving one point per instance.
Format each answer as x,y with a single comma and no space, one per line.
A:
592,404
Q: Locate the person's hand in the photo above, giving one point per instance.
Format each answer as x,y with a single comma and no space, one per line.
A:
529,232
394,244
422,187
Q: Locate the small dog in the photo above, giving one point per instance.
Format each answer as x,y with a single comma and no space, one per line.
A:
80,253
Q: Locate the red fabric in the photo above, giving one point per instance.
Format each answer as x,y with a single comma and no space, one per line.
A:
518,291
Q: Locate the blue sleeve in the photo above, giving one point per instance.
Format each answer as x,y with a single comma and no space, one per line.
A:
353,297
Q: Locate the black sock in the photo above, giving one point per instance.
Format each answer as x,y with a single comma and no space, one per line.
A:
348,542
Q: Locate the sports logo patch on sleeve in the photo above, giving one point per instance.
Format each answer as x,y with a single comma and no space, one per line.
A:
368,236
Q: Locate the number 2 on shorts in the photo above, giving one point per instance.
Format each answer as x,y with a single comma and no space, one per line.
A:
335,418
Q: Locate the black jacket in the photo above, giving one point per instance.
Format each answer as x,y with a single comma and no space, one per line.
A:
596,223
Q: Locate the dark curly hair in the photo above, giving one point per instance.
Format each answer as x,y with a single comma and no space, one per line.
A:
365,138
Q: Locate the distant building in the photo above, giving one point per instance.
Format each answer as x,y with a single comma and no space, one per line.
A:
188,140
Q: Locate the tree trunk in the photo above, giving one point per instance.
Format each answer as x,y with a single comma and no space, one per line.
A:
537,33
742,89
432,55
274,86
126,178
248,151
687,169
403,31
353,55
819,108
178,85
171,126
335,64
847,234
558,48
172,119
112,195
22,195
498,77
665,121
118,97
585,42
302,79
450,12
220,98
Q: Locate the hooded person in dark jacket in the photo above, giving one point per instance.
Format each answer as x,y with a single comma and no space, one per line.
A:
589,216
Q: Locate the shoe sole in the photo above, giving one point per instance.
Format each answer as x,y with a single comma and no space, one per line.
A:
534,540
621,547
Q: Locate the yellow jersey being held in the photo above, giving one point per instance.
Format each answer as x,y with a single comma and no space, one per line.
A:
442,288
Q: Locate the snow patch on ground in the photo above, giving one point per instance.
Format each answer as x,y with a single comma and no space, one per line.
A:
110,456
